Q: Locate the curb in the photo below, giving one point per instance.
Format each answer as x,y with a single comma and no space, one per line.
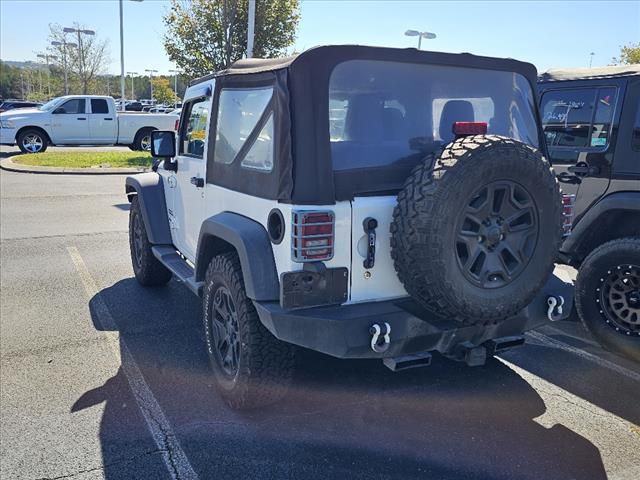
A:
8,165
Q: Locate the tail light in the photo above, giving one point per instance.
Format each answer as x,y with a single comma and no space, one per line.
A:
177,125
312,236
461,129
568,201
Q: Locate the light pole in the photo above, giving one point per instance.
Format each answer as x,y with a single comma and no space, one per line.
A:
80,51
175,86
420,35
122,57
64,44
47,57
251,27
133,96
591,58
151,72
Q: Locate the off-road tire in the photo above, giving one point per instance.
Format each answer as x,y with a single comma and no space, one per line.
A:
29,133
146,267
423,229
265,364
138,142
592,308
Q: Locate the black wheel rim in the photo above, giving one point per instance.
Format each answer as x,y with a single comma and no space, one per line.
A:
496,234
224,329
137,240
619,298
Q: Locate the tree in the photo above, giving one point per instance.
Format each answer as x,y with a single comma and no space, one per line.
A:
162,91
628,54
204,36
86,61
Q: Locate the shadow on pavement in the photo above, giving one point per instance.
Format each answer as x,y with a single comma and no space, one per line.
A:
341,419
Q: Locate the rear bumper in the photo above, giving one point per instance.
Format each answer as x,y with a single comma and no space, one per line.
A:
344,331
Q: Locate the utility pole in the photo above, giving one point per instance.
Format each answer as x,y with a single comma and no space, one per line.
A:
151,72
591,58
47,57
175,86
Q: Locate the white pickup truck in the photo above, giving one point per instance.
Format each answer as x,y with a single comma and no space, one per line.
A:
80,120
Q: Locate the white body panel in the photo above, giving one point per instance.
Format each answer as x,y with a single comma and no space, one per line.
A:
95,129
381,282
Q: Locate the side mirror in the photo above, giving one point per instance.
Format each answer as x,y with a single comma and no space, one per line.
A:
163,144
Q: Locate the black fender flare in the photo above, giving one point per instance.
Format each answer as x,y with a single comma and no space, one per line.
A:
149,189
615,202
251,242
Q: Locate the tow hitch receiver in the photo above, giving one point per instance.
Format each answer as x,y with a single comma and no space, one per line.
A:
500,345
406,362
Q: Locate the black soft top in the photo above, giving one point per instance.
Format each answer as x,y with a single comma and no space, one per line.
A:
303,173
560,75
328,54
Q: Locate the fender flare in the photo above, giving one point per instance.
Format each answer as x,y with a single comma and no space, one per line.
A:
150,192
619,201
251,242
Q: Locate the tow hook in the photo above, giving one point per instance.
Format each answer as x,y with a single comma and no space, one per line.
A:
554,312
379,341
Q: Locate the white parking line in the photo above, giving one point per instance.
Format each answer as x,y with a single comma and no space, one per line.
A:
163,435
552,342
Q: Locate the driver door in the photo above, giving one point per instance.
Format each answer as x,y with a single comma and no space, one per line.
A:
70,122
188,181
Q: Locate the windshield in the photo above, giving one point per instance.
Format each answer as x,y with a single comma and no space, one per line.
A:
51,104
383,113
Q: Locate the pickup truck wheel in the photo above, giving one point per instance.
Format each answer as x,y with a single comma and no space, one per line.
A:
475,232
142,141
608,295
146,267
251,367
32,141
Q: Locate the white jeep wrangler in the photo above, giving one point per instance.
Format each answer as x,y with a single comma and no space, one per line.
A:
362,202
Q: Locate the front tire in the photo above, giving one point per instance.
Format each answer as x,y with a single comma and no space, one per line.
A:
608,295
146,267
32,141
251,367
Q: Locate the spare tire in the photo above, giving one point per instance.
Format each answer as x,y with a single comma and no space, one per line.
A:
476,230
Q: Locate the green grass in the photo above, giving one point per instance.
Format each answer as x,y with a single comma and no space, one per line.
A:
85,159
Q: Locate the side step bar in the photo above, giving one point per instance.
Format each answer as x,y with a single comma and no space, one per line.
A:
178,266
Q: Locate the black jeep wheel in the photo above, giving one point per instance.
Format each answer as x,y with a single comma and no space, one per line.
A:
608,295
475,235
251,367
146,267
32,141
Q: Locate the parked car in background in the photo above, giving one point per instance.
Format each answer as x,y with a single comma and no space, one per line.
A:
79,120
591,122
133,106
13,104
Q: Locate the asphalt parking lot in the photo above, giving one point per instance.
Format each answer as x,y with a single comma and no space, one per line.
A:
101,378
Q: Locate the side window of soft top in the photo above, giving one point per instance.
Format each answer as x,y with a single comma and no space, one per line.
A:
193,131
635,135
578,118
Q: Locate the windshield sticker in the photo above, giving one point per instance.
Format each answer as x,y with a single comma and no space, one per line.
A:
598,142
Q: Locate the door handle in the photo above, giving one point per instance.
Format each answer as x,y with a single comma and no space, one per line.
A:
108,118
81,118
197,181
582,170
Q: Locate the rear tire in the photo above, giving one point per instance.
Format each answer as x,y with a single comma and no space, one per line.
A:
32,140
608,296
251,367
142,141
147,268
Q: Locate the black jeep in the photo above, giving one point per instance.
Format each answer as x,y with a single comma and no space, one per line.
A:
591,120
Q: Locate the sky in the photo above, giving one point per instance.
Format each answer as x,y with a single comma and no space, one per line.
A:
545,33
